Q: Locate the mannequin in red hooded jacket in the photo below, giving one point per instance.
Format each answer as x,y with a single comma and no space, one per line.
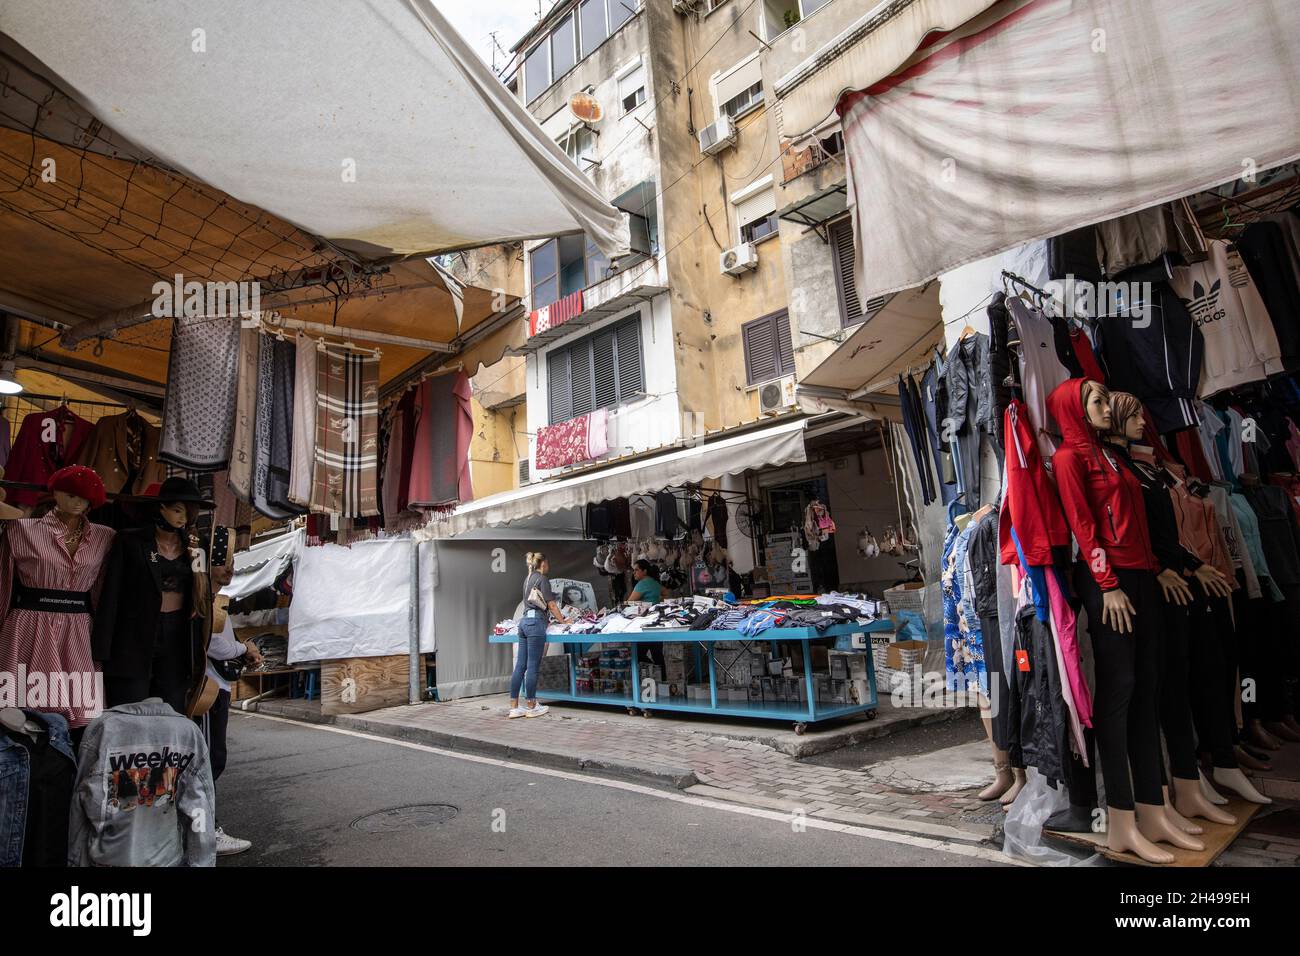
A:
1116,578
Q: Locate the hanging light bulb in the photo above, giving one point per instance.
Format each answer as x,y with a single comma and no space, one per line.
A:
9,384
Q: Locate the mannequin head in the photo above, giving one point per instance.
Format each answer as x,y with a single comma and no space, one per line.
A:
70,505
1126,416
175,515
76,483
1096,405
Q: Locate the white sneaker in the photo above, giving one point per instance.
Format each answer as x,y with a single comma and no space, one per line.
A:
228,845
536,711
517,712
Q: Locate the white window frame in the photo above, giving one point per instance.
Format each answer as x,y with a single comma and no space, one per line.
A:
738,198
621,74
716,80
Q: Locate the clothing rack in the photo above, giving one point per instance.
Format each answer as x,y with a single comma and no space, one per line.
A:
17,407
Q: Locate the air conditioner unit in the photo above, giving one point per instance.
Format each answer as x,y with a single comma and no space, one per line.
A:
718,135
739,259
776,397
685,6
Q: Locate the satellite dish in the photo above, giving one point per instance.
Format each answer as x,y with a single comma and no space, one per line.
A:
585,107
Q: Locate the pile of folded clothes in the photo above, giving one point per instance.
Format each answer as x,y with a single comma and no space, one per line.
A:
699,613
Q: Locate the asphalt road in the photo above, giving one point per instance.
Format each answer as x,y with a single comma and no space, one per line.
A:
305,795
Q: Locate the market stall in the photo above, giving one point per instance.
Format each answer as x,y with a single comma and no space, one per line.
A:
800,657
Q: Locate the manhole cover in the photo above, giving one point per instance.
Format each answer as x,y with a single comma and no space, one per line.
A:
405,818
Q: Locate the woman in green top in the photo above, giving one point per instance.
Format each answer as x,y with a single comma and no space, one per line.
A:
647,586
648,589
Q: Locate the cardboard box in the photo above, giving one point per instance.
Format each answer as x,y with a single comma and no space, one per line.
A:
838,667
857,666
901,655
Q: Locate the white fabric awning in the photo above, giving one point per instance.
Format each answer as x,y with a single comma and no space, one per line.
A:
370,123
1042,116
896,335
773,445
874,46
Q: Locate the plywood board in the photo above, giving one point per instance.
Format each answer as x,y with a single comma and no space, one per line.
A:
1217,838
355,685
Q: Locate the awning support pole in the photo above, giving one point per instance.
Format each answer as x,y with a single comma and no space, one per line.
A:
413,623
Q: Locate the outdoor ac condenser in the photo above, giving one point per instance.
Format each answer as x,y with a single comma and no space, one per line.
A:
739,259
775,397
718,135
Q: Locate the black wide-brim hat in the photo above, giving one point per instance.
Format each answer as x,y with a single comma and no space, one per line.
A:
174,489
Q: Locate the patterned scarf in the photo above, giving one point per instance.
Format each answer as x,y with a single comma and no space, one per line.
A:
199,410
345,478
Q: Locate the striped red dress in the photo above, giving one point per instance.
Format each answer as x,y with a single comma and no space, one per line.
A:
46,643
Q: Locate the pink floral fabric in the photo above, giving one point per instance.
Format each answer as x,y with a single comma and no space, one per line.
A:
578,439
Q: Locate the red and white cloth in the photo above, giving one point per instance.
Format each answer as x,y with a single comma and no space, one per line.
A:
45,642
579,439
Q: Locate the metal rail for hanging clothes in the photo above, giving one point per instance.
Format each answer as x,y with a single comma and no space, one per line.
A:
17,407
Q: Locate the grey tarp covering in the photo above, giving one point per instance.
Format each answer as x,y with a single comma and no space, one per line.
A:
1040,116
369,122
477,587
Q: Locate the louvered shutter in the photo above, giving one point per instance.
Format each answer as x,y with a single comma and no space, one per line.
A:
842,249
785,347
559,387
760,345
580,362
630,381
606,377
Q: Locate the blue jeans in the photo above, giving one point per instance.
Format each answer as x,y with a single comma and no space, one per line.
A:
532,645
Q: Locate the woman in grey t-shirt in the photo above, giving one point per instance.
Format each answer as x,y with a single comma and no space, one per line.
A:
532,637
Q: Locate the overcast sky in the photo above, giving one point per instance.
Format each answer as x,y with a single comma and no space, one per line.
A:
476,19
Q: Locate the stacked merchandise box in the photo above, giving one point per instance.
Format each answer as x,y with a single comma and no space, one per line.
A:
606,671
781,575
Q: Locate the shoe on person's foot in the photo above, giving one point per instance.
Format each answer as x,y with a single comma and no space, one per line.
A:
517,712
537,711
228,845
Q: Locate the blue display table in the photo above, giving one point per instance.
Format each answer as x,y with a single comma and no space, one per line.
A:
805,711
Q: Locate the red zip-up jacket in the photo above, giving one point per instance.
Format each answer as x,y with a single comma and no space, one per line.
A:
1030,504
1101,498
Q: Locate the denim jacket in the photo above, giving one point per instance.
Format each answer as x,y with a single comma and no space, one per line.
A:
15,783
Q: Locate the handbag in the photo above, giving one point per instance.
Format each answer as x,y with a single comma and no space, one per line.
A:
536,600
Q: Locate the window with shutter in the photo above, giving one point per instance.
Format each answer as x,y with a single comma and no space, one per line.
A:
630,381
581,375
559,390
851,312
606,375
768,347
599,371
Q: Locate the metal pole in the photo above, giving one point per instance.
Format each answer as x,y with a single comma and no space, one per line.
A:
413,623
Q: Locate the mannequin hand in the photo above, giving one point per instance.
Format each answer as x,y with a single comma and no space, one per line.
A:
1117,611
1174,586
1213,580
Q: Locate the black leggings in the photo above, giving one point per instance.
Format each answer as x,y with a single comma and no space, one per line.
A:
1210,682
1175,695
1125,702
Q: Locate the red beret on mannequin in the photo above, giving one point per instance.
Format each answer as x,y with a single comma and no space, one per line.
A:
80,481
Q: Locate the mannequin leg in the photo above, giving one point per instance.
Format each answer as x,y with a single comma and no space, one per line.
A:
1161,645
1209,684
1115,657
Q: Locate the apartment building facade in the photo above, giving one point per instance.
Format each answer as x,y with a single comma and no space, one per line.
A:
664,109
